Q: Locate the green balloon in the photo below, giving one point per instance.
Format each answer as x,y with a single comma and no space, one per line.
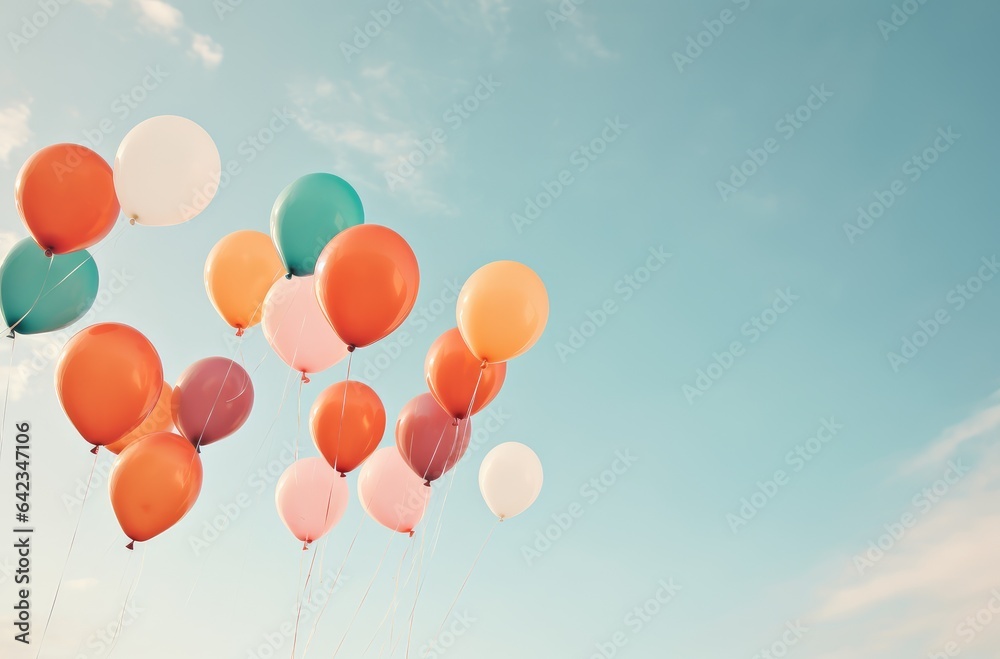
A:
70,288
308,214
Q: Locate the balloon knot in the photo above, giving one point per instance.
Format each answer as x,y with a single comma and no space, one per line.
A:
484,365
305,378
48,253
11,335
305,546
427,483
130,546
131,221
343,475
351,348
94,450
198,449
239,331
288,275
455,421
412,533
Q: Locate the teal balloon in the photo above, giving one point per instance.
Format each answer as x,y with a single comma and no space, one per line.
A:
36,297
308,214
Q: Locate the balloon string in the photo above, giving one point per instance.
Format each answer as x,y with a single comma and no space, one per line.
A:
55,598
305,586
128,597
298,430
363,597
333,586
41,290
281,405
421,581
458,425
467,576
216,401
395,594
6,395
343,408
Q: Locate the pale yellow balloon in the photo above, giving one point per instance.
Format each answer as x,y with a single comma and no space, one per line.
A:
502,310
239,271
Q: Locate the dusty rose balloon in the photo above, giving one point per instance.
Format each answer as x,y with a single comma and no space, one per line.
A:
296,328
391,493
429,439
212,400
311,498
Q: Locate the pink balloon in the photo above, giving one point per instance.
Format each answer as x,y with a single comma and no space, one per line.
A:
211,400
428,438
296,328
390,492
311,498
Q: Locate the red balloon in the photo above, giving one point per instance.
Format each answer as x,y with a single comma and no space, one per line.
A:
430,440
347,422
366,282
453,373
66,197
211,400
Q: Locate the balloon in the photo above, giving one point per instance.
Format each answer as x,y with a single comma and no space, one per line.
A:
366,281
308,214
429,439
391,493
167,170
363,424
502,310
239,271
153,484
108,379
296,328
211,400
41,293
159,420
453,374
311,499
66,197
510,479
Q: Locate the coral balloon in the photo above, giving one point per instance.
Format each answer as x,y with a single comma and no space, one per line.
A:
311,498
366,281
296,328
453,374
153,484
502,310
159,420
510,479
429,439
239,271
41,293
211,400
391,493
108,379
347,422
65,194
308,214
167,170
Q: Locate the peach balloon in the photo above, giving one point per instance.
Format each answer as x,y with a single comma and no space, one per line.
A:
159,420
391,493
239,271
311,498
296,328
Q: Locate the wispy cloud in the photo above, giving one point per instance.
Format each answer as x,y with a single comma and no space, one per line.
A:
15,129
983,424
207,50
167,21
159,16
579,40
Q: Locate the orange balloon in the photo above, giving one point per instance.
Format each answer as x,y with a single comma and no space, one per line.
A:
347,422
366,282
108,379
66,197
453,373
159,420
154,483
502,310
239,272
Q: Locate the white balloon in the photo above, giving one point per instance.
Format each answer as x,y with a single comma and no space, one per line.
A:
167,170
510,479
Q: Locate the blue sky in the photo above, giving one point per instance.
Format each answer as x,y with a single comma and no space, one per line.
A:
694,202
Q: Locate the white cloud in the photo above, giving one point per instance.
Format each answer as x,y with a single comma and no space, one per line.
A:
165,20
983,423
14,128
206,49
579,39
159,16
